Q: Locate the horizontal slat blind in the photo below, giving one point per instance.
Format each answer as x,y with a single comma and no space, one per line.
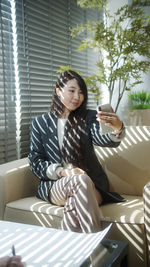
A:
47,45
78,59
45,41
34,54
92,56
8,150
84,61
43,45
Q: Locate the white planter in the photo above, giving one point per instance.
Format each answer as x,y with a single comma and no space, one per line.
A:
139,117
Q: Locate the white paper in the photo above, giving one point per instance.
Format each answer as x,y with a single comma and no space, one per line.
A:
46,247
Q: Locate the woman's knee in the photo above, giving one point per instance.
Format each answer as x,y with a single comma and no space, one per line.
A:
84,180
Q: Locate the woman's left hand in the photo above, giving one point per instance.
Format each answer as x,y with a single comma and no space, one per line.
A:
110,119
68,172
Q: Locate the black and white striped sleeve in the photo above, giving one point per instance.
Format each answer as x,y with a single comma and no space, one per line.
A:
40,165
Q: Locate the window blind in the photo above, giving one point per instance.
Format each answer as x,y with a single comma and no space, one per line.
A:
8,148
84,61
43,45
35,63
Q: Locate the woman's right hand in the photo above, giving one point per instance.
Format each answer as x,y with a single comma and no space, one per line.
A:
68,172
11,261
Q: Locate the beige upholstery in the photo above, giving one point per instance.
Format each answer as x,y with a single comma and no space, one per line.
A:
146,196
128,169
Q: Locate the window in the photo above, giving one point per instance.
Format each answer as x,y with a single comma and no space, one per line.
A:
43,45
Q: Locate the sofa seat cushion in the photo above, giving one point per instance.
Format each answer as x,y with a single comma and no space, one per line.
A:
35,204
130,211
32,210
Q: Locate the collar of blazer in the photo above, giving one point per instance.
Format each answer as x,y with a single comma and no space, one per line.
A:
52,134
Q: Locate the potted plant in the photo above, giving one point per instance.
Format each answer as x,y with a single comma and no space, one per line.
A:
123,41
139,100
140,108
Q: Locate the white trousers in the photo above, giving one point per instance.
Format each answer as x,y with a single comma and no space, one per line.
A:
81,201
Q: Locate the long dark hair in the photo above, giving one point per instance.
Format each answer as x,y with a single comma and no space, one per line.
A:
72,148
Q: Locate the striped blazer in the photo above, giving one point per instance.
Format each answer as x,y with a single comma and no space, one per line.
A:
45,151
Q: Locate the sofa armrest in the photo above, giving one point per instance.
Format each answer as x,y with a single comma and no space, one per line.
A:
16,181
146,199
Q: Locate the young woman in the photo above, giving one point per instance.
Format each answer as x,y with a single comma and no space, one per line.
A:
63,157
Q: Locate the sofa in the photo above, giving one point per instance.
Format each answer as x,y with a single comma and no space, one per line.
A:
128,169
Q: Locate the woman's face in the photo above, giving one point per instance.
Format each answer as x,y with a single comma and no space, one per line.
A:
71,95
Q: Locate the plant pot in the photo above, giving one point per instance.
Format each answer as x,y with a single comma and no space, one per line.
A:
139,117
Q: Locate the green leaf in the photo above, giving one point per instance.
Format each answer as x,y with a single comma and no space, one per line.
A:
139,100
91,4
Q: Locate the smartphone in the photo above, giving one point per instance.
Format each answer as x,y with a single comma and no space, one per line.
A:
104,128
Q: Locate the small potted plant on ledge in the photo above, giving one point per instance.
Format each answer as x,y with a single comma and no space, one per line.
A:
140,108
